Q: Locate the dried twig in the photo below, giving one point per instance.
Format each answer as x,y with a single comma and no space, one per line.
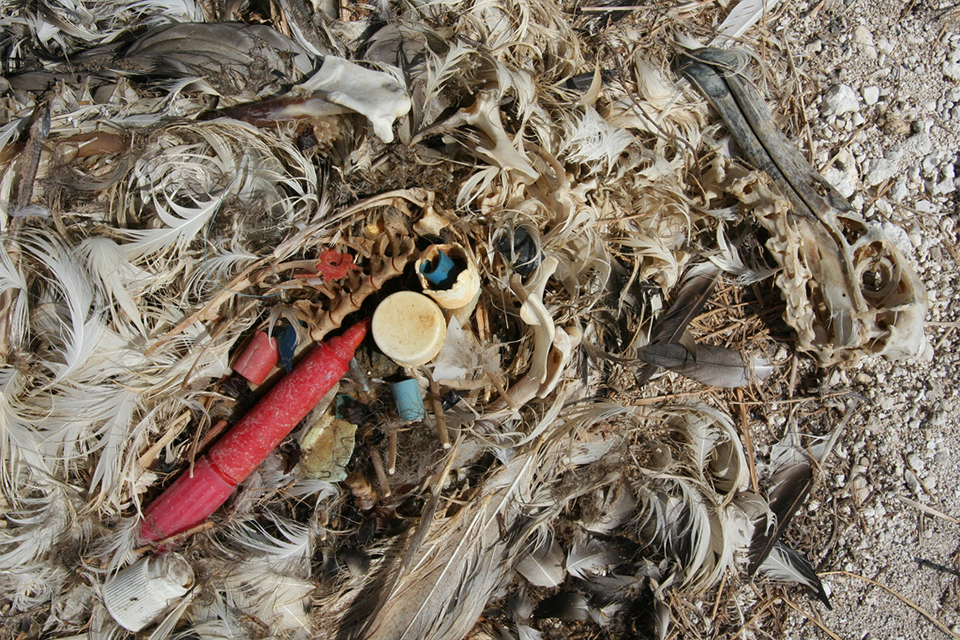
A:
930,511
910,603
172,431
809,617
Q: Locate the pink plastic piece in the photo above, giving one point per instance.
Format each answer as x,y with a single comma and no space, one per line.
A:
258,359
191,499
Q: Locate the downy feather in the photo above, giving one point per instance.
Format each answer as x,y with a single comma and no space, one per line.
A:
115,276
594,142
78,330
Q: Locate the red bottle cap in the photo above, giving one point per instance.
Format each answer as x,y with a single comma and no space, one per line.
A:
258,359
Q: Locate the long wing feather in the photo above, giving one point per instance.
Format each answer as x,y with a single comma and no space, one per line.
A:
689,303
671,325
791,486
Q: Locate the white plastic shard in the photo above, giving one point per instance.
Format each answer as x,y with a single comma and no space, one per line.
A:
374,94
138,595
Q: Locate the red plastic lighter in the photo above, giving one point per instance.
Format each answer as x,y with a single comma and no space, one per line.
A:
192,498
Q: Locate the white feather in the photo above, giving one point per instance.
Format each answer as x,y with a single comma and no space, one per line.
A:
182,224
728,260
18,435
594,142
118,279
743,16
113,439
440,70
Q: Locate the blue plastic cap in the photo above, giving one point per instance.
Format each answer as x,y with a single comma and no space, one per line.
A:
406,394
440,271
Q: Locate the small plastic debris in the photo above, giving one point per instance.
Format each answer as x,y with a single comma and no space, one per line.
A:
440,270
348,408
139,594
327,448
409,399
193,497
520,250
258,359
409,328
449,275
287,344
334,265
451,399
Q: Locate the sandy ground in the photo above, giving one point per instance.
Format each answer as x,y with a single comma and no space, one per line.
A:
881,525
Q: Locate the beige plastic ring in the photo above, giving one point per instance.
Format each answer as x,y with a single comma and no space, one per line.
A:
409,328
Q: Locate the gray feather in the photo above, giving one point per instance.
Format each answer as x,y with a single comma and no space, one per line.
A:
716,366
788,565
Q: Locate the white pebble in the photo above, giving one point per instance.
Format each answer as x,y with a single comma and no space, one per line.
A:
952,70
838,100
879,170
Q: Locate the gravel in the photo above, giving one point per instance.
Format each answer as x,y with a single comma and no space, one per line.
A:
886,132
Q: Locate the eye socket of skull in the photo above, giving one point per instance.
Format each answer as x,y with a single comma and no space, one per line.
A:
878,273
852,229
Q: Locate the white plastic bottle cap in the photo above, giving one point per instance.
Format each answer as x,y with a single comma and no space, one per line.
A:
137,596
409,328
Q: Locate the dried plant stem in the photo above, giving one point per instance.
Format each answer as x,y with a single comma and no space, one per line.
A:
172,431
809,617
381,474
209,437
761,403
437,403
748,442
913,605
716,603
203,526
670,396
209,310
760,610
930,511
392,450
